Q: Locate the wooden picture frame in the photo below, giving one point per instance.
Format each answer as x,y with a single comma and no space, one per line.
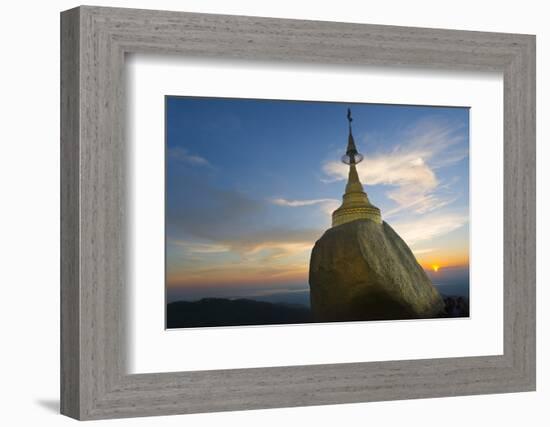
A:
94,382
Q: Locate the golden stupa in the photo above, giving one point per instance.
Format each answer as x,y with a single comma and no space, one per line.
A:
355,204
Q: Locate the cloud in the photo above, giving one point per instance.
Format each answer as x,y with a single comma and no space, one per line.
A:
182,155
200,248
423,251
410,168
258,257
299,203
429,227
327,205
203,219
199,211
274,243
240,275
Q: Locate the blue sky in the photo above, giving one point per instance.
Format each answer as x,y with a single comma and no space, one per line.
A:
250,185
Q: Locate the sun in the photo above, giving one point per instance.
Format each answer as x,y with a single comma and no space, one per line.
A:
435,267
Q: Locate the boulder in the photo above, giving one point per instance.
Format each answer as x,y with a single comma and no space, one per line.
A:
363,270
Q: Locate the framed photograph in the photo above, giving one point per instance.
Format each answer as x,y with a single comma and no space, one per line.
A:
262,213
247,208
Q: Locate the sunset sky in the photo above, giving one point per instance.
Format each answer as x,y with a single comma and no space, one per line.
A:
251,184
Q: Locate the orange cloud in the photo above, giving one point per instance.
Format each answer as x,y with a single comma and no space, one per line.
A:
238,275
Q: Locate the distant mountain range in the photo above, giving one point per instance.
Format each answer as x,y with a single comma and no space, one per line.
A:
233,312
209,312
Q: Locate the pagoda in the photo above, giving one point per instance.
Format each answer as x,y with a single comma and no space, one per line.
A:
355,204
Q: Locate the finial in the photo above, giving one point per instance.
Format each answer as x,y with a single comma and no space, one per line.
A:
352,156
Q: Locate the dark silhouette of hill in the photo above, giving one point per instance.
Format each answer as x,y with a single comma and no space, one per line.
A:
209,312
233,312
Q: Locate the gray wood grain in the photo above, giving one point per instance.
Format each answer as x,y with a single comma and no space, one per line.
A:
94,380
70,333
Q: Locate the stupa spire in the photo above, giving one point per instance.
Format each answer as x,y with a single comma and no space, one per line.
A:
352,156
355,204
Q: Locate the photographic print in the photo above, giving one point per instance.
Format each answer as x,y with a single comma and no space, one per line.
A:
292,212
